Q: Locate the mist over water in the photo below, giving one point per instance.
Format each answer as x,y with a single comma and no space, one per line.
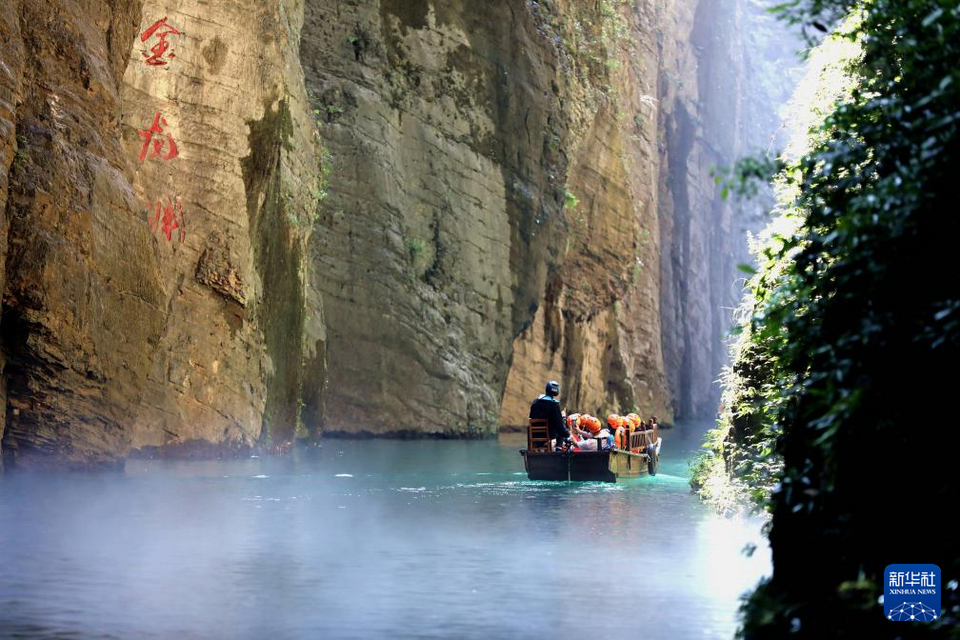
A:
368,539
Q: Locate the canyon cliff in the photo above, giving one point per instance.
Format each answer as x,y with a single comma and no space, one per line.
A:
234,224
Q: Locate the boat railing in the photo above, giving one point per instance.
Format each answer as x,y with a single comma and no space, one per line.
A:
640,439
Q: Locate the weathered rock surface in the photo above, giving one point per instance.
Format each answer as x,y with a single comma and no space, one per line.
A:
723,78
229,224
227,367
82,288
598,327
153,288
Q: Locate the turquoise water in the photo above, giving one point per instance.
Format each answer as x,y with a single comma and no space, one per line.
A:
369,539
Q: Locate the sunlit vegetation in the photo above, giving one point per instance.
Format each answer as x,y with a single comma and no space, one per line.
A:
836,416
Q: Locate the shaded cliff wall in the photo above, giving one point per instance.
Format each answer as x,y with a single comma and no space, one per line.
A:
81,284
722,84
701,97
443,211
491,178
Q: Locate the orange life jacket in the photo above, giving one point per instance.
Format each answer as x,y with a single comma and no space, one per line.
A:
620,438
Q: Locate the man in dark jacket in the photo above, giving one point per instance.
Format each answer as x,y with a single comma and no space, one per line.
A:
547,406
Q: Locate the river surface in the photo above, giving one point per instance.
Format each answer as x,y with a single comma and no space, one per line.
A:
370,539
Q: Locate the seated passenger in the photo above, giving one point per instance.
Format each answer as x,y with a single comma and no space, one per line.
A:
547,407
607,440
586,430
632,426
572,421
615,427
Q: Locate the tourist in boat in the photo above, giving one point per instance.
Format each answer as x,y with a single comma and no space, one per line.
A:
593,434
619,427
614,422
572,421
632,424
547,407
607,440
586,430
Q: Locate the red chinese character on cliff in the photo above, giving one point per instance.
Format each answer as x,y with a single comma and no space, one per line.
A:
168,218
161,30
157,143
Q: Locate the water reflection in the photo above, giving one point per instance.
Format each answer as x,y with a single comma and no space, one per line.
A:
368,539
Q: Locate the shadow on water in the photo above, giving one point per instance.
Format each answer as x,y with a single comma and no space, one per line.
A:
369,539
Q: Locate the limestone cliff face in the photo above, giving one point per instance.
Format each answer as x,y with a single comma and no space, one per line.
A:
702,97
82,297
492,198
727,68
156,215
227,366
229,224
597,328
701,82
444,209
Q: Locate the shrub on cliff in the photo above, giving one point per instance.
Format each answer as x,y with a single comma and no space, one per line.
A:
854,329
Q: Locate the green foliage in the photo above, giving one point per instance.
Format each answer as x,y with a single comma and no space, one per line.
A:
327,113
745,178
739,466
20,158
570,201
850,322
318,192
359,40
709,477
414,248
592,34
321,188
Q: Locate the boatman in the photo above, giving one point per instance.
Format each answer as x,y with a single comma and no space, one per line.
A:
547,407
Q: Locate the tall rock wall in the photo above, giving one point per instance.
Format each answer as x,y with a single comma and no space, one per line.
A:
701,96
597,327
159,192
231,224
502,157
444,208
82,296
227,367
727,69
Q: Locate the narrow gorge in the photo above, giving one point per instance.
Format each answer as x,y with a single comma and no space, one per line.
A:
236,225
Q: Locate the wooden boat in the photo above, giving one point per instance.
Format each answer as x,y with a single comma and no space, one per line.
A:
541,463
